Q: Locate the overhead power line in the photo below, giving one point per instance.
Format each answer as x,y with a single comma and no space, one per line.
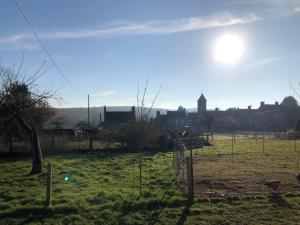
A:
44,48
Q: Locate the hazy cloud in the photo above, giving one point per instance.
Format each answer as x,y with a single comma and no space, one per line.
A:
103,94
282,7
152,27
263,62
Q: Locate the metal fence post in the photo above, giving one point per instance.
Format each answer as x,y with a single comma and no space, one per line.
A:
264,144
177,161
232,145
295,142
190,182
298,161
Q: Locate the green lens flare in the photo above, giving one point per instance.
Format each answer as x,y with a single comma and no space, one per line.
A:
66,178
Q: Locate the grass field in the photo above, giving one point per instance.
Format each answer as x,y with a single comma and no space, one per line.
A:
103,188
242,168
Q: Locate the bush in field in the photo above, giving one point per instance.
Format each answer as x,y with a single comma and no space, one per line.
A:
109,136
140,134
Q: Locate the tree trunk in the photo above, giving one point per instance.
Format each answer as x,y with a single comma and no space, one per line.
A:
35,146
36,152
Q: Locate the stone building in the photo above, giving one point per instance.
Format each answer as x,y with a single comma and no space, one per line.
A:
116,118
267,117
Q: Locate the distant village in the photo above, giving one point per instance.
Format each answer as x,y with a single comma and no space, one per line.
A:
267,117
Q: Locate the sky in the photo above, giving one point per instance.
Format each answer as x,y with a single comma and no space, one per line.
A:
109,48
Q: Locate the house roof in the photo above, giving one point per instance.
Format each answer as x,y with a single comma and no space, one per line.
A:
269,107
118,117
202,98
176,114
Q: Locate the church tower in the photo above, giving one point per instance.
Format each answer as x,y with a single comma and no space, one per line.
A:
202,104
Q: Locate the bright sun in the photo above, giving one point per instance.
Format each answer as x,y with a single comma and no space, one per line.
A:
228,49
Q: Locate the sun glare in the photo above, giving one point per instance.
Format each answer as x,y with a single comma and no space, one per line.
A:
229,49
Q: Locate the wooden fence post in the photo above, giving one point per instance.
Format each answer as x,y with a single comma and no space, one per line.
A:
173,157
49,185
140,175
190,182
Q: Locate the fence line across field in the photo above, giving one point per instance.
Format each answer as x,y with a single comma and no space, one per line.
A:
191,156
236,151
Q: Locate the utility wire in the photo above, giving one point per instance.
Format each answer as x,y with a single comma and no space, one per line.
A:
44,48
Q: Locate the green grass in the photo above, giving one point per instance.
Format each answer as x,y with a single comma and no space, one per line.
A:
243,169
103,189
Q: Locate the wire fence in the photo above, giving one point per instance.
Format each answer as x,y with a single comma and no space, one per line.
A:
242,165
57,143
117,172
235,165
122,175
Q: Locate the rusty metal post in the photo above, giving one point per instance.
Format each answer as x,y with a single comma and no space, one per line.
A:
49,185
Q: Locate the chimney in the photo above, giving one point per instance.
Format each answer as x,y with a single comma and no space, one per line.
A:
262,104
133,112
276,103
249,107
104,113
158,113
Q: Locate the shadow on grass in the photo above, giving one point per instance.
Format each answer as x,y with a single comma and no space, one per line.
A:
36,213
277,199
15,156
185,213
165,202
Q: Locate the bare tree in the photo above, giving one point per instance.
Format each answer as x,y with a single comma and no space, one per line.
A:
141,132
23,103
